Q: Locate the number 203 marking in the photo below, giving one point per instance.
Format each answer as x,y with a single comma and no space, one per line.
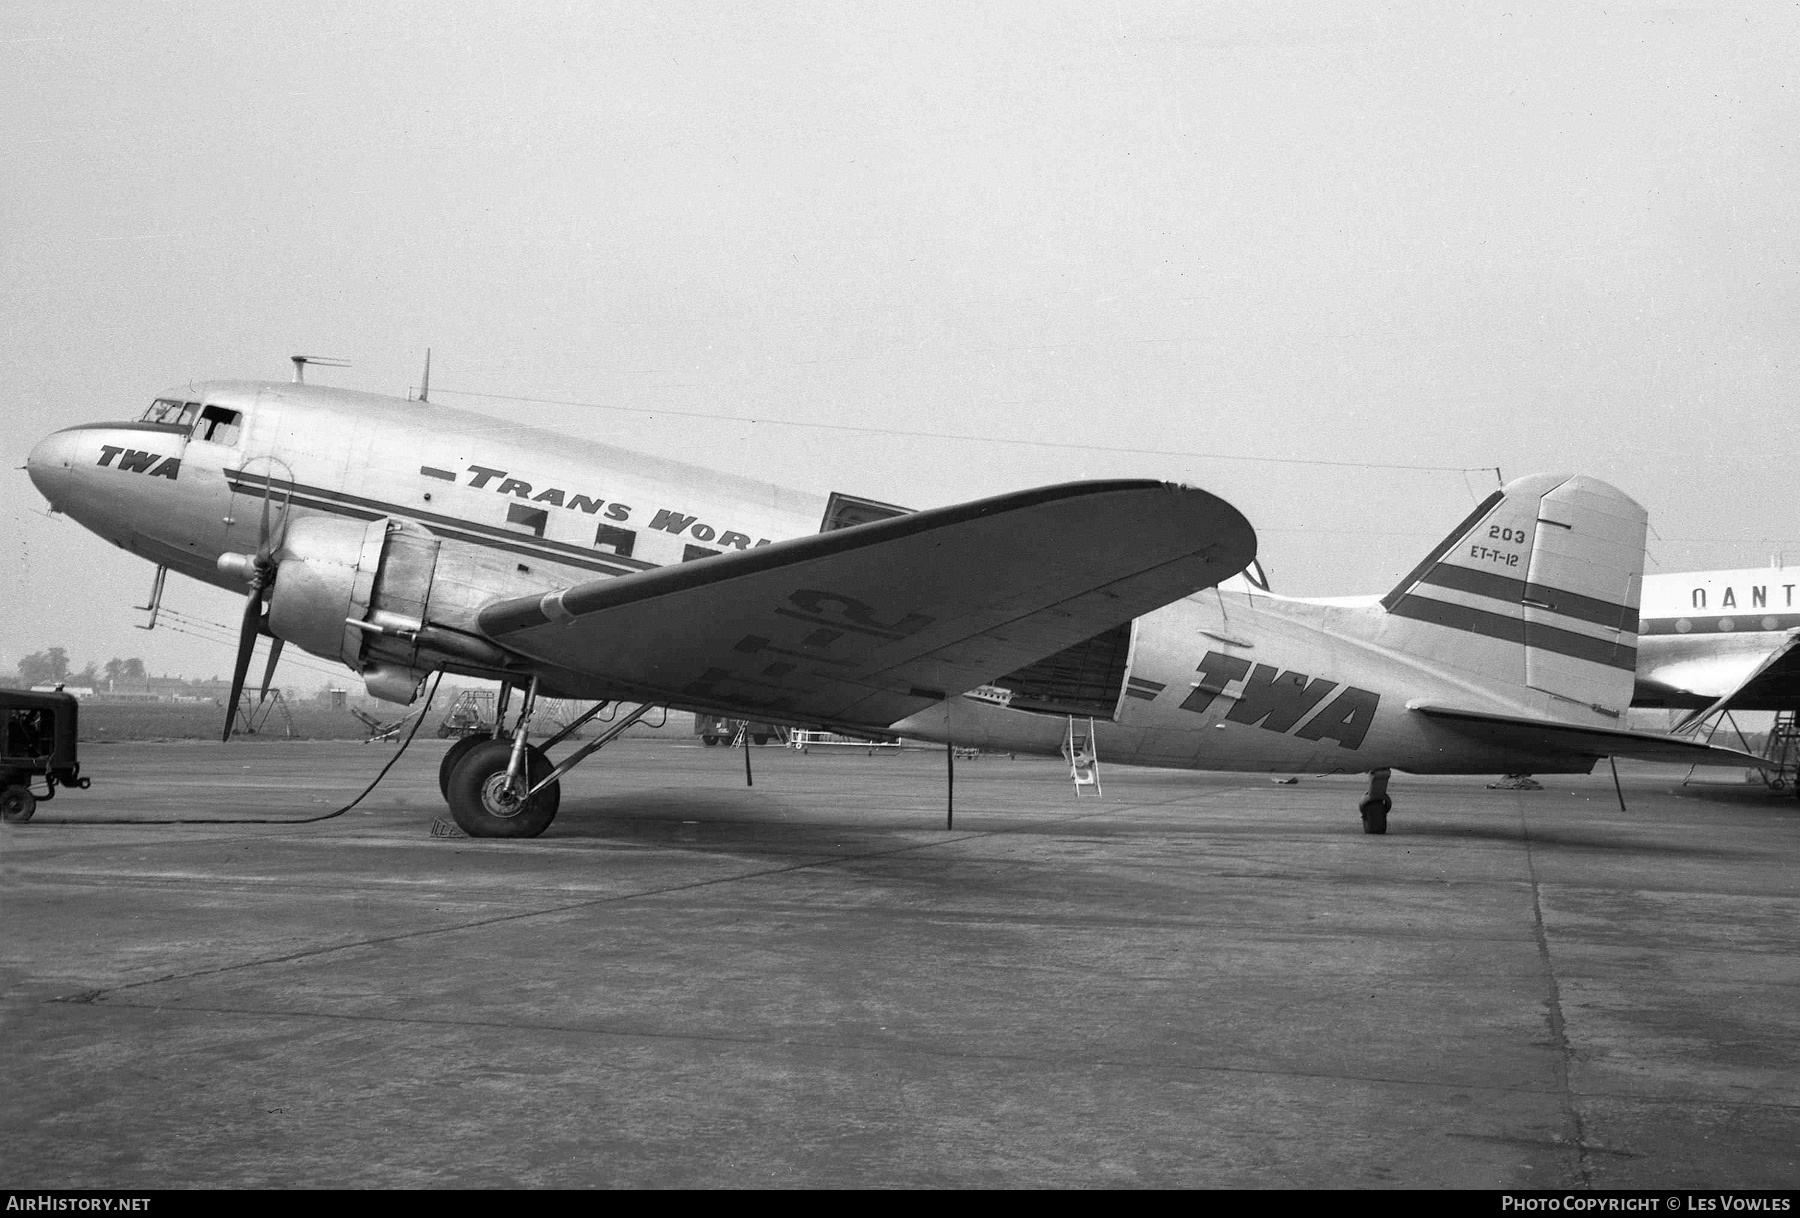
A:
1506,534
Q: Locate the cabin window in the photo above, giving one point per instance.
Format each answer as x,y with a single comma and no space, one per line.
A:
619,541
535,519
219,425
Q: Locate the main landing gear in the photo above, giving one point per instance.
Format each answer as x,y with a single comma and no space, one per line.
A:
1376,804
504,786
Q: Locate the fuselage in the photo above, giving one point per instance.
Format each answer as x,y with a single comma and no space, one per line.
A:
1228,678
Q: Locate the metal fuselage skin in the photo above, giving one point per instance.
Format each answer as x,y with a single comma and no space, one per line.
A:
519,510
1704,631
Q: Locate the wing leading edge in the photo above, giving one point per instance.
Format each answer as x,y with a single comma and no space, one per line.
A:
867,625
1546,736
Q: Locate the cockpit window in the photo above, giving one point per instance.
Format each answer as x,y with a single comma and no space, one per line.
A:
218,425
214,423
172,410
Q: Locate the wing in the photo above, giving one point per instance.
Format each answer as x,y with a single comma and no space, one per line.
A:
1774,682
867,625
1542,736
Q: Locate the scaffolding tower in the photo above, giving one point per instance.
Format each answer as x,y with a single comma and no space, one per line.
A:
1783,748
253,717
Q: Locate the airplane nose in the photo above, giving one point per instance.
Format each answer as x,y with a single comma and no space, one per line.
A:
50,462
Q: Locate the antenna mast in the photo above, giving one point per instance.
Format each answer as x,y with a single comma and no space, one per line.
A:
301,361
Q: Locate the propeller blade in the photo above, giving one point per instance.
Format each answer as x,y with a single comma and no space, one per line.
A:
269,670
246,648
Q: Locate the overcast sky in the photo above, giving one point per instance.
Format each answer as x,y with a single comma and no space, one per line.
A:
1456,236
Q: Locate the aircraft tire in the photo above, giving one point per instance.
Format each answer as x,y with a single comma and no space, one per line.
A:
760,739
17,804
456,753
477,805
1374,814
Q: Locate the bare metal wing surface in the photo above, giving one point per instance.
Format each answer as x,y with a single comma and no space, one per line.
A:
1774,682
1548,737
868,625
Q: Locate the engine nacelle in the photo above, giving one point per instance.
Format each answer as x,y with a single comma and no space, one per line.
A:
327,569
394,601
342,585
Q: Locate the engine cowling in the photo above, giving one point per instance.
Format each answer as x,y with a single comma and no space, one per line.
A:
343,587
327,569
394,601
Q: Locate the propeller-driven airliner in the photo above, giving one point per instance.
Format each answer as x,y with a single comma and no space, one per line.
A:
403,538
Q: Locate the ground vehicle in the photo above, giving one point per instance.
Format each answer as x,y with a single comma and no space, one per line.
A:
38,738
714,729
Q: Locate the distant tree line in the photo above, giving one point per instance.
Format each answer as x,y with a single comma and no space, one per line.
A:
51,667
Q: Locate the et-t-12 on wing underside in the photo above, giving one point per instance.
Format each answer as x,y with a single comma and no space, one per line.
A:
402,538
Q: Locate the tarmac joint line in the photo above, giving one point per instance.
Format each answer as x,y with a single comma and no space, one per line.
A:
1559,1038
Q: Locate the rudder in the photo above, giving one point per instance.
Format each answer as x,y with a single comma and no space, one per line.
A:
1538,587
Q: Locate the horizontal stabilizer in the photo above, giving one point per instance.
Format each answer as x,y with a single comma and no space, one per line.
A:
867,625
1547,736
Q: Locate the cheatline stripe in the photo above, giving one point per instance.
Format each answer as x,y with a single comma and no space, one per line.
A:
1513,591
521,545
488,535
1513,630
1143,687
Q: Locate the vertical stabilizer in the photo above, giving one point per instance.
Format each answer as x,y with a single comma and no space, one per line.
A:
1538,588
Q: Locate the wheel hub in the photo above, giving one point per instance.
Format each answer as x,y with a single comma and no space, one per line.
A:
499,797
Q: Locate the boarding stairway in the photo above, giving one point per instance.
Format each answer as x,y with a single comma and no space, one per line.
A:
1083,757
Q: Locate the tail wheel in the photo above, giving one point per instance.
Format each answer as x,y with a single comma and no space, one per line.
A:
456,753
1375,813
484,806
17,804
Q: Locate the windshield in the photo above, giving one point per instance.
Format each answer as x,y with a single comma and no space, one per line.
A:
172,410
218,424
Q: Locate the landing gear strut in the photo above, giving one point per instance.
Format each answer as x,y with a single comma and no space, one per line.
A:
1376,804
504,786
